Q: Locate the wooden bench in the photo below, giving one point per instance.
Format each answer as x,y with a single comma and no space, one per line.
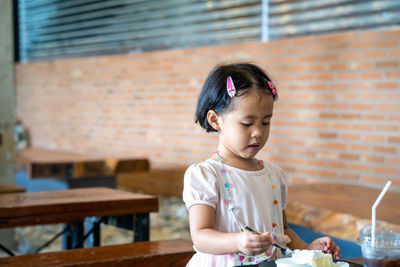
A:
176,252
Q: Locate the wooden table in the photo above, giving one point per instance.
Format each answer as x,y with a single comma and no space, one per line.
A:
73,206
351,199
42,163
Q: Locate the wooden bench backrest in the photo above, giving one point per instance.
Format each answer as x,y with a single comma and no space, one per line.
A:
153,182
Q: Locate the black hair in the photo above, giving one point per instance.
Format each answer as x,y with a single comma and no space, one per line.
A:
214,95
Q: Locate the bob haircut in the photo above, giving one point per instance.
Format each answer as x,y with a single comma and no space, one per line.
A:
215,97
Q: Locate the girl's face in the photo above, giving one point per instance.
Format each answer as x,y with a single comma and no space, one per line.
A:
244,131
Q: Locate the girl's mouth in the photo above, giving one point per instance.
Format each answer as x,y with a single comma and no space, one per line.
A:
254,147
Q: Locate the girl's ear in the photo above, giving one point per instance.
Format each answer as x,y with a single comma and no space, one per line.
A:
212,118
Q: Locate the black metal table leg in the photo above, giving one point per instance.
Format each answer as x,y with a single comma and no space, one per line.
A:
93,223
141,227
72,237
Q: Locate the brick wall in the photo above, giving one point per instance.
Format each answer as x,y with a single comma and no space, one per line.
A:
338,117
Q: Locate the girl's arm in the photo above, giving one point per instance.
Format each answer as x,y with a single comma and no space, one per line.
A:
296,242
325,243
208,240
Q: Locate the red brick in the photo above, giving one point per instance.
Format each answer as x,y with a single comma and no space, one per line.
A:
341,125
382,149
387,85
339,66
371,75
315,162
328,116
328,174
387,128
317,86
347,156
393,74
328,135
374,138
376,117
307,171
351,116
387,43
364,148
336,146
362,127
394,139
372,96
394,117
328,57
360,167
347,76
350,176
385,170
373,179
393,160
318,105
387,107
374,55
373,159
361,45
325,77
393,96
362,106
337,165
362,66
349,136
317,67
343,106
353,55
387,64
362,86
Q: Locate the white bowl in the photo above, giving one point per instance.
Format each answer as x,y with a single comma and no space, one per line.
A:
288,262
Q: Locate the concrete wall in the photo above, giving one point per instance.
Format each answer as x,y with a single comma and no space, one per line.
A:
338,117
7,93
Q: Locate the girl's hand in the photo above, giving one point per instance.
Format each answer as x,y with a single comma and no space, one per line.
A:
327,245
251,243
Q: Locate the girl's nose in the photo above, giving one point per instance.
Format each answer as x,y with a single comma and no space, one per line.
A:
257,131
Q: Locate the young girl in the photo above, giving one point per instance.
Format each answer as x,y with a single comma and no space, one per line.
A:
233,191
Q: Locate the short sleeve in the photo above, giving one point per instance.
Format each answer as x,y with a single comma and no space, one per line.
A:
200,186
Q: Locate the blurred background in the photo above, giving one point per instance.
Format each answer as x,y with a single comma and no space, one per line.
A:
121,78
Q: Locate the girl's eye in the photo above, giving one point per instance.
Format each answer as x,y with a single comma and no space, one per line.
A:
266,123
246,124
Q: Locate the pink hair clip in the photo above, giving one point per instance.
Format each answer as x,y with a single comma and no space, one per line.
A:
272,87
230,87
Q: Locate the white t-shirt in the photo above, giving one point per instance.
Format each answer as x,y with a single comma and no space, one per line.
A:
250,192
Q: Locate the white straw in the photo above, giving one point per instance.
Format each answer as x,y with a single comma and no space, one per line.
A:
374,211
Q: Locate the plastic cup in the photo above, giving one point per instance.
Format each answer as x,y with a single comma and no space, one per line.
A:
384,251
289,262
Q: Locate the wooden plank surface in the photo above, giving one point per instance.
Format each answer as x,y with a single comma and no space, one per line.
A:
175,253
11,188
47,207
350,199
